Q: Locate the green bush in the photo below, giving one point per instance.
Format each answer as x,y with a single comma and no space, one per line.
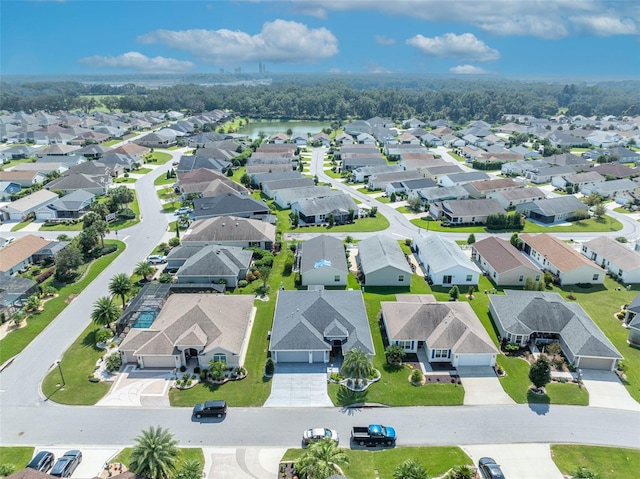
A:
270,366
126,214
416,376
104,335
165,278
113,362
511,347
7,469
175,241
243,283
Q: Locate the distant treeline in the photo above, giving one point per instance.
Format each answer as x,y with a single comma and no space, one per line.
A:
322,98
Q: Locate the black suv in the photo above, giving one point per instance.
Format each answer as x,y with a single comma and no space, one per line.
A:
42,461
210,408
66,464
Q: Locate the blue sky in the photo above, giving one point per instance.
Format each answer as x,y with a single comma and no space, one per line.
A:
515,38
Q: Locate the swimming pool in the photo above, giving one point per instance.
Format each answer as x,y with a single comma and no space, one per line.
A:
144,319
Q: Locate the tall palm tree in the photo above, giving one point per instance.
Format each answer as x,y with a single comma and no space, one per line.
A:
322,459
105,311
120,285
410,469
144,269
155,454
357,364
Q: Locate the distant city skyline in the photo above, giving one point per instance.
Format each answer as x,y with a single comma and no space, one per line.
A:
491,38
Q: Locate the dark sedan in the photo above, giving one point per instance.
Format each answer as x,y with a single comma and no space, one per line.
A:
490,469
66,464
42,461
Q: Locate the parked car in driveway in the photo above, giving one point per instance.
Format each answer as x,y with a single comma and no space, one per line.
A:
318,434
157,259
185,210
42,461
489,469
66,464
210,409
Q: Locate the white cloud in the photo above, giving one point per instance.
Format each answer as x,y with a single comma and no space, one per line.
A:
605,26
468,70
279,41
373,67
139,62
384,40
450,45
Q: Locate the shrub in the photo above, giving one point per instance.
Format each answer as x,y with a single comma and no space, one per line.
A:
45,275
584,473
104,335
416,376
113,362
126,214
183,368
269,366
243,283
394,354
7,469
196,370
165,278
173,242
511,347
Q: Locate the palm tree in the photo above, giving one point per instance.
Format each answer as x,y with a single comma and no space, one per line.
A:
120,285
144,269
190,469
155,455
410,469
322,459
357,364
105,311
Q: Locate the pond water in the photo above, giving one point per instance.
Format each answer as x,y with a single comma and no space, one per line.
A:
271,127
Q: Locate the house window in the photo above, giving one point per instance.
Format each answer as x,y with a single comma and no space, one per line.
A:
595,277
537,278
521,278
469,277
220,357
584,249
401,278
446,279
405,344
620,272
440,353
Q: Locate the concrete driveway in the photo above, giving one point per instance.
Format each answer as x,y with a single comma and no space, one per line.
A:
134,387
93,459
241,462
482,387
299,385
606,390
518,461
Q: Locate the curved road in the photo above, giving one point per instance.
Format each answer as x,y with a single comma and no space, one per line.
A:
27,419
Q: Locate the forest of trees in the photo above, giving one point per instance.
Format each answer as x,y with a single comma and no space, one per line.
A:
330,98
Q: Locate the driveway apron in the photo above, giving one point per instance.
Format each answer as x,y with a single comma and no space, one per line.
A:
518,461
482,387
135,387
299,385
606,390
241,462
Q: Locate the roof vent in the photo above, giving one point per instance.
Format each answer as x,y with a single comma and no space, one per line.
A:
223,224
237,224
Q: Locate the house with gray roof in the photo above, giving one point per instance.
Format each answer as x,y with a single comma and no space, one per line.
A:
632,321
444,263
504,263
470,211
381,180
546,174
95,185
20,209
317,325
194,162
228,204
522,166
441,193
8,188
462,178
619,260
322,261
14,293
552,210
270,188
439,170
284,198
539,317
381,262
510,198
318,210
231,231
192,328
210,264
410,187
612,189
449,332
72,205
363,173
576,182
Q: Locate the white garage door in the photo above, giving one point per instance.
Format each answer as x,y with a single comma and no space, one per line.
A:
318,356
595,363
474,360
43,214
293,356
159,362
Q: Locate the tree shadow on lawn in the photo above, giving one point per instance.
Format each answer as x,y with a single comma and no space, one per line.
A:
346,397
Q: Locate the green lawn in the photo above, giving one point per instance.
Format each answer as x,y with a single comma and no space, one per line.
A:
457,157
18,456
17,340
186,454
378,223
163,180
158,157
606,462
142,171
111,142
382,464
123,180
332,174
21,225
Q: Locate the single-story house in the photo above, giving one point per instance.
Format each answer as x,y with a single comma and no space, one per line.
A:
156,140
466,211
231,231
578,181
209,264
438,171
284,198
546,174
19,253
442,193
410,187
540,317
619,260
462,178
96,185
193,327
613,188
381,180
382,262
516,196
450,332
229,204
503,263
362,174
318,210
521,167
632,321
482,189
444,262
317,325
26,179
567,264
20,209
552,210
322,261
8,188
73,205
270,188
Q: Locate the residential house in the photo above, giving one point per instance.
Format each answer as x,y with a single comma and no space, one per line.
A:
616,171
322,261
445,264
362,174
576,182
462,178
284,198
536,317
19,253
442,193
503,263
381,262
465,211
209,264
229,204
7,189
322,138
612,189
96,185
72,205
259,178
231,231
437,172
315,211
632,321
25,179
156,140
381,180
619,260
515,168
509,199
526,153
481,189
410,187
568,159
270,188
278,138
449,332
20,210
605,139
545,175
193,327
624,155
317,325
552,210
565,263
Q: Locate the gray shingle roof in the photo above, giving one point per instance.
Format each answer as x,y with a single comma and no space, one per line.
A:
323,248
216,261
554,206
442,253
525,312
228,204
326,205
379,252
